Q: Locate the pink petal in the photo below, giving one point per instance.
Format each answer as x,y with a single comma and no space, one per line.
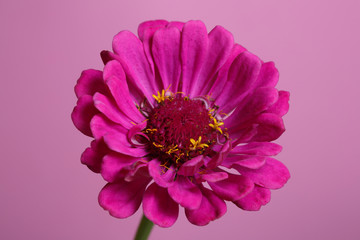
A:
178,25
233,188
82,114
192,166
253,162
136,66
217,87
155,24
220,156
122,199
258,148
113,163
101,126
108,107
93,155
146,33
212,207
243,74
221,43
268,76
116,81
260,100
270,127
159,207
90,82
194,48
186,193
272,175
162,176
166,53
281,107
213,176
114,136
254,200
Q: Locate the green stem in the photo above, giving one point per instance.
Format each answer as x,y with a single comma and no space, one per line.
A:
144,229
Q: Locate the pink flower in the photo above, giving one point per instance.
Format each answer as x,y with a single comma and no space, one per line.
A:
170,114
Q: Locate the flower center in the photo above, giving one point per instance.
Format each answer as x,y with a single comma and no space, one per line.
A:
180,129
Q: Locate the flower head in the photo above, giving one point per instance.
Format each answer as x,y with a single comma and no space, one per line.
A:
171,114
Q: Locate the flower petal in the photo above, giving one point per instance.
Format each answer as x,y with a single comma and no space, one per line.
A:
213,176
114,136
154,24
159,207
110,110
122,199
90,82
82,114
194,47
254,200
192,166
243,74
268,76
217,87
113,163
178,25
212,207
115,79
162,176
281,107
221,42
186,193
220,156
93,155
232,188
272,175
270,127
260,100
136,66
258,148
166,53
253,162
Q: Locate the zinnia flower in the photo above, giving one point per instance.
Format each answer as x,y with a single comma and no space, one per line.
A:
182,117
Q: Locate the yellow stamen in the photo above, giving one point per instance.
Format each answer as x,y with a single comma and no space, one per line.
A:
158,145
172,149
216,125
197,144
150,130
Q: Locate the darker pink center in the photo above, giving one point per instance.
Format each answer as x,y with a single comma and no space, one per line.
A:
173,127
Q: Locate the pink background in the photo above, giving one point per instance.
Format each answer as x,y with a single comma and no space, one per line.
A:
47,194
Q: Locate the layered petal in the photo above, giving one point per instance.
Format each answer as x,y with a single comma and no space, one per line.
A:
82,114
232,188
166,53
93,155
122,199
114,136
162,176
115,79
258,149
212,207
136,66
186,193
220,45
159,207
254,200
242,76
194,49
115,166
272,175
281,107
90,82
